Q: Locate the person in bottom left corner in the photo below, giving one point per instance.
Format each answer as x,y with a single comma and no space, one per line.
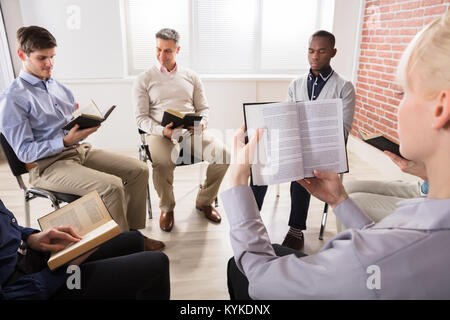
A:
118,269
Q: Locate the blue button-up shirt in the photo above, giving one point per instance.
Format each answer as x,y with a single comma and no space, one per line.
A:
39,285
32,114
316,84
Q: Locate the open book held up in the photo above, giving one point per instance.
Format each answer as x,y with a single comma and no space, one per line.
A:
380,142
299,137
179,119
89,218
88,117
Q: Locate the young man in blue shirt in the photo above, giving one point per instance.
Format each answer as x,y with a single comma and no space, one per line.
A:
33,111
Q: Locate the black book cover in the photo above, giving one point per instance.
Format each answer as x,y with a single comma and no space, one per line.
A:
88,121
179,119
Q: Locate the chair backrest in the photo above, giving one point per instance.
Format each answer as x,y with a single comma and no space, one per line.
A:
17,167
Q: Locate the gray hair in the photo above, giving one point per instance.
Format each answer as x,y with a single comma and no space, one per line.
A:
168,34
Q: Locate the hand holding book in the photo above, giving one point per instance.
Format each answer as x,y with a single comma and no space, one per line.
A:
243,156
76,134
325,186
53,240
408,166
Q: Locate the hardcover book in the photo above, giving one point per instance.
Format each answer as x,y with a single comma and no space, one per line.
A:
299,137
88,117
179,119
89,218
381,142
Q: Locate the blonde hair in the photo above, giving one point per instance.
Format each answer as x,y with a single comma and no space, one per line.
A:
427,58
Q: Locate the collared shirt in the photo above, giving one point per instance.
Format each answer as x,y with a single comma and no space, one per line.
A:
32,286
32,115
164,69
334,87
316,84
404,256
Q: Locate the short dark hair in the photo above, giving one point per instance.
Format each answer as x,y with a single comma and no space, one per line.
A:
34,38
168,34
325,34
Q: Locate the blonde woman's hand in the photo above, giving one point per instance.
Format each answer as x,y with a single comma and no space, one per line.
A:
325,186
408,166
243,156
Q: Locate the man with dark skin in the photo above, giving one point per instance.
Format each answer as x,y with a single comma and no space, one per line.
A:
321,82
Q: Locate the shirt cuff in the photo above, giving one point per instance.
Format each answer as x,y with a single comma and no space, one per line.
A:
351,215
240,205
159,131
57,144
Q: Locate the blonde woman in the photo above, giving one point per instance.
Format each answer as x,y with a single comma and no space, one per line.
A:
405,255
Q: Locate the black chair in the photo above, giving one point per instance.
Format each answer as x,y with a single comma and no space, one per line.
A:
325,215
144,155
18,168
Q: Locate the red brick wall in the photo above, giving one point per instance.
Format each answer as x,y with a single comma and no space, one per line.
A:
388,27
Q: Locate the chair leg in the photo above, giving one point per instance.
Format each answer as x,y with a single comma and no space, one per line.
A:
324,221
27,211
149,203
216,202
278,190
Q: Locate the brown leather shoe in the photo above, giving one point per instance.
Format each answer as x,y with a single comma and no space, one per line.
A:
294,243
210,212
166,220
153,245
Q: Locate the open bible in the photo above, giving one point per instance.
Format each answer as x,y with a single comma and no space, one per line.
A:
299,137
89,116
89,218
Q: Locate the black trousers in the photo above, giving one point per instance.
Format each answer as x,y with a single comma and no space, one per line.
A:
299,203
121,269
237,281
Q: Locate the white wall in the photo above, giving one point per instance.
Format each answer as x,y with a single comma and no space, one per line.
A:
104,53
88,33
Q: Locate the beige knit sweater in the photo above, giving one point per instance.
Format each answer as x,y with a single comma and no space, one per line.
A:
154,92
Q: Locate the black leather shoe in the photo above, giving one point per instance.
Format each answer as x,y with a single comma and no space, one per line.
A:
294,243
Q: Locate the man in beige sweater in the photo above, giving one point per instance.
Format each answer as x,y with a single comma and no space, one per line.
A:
168,85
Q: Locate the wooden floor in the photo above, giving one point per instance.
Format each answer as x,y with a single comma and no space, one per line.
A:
198,249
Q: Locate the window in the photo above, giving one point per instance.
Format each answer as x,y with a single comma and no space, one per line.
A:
6,70
228,36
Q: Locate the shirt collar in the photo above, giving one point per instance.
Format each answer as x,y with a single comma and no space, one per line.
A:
418,214
31,79
164,69
324,74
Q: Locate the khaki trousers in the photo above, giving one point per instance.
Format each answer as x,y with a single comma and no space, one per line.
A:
121,181
203,146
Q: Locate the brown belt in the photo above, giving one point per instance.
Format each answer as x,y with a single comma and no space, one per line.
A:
31,165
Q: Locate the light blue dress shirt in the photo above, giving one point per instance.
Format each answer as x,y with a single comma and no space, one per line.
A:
32,114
